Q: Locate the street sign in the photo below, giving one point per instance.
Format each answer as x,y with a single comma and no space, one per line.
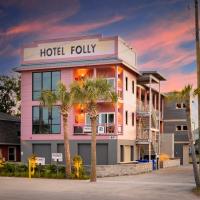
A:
57,157
40,160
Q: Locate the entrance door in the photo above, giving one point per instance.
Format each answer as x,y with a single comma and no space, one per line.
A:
11,153
178,151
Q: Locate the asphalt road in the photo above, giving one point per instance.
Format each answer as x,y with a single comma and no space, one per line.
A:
165,184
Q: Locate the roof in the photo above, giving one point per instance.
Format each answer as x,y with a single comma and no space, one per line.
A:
154,73
8,117
81,63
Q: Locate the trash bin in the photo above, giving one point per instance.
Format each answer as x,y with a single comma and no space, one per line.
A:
154,166
143,161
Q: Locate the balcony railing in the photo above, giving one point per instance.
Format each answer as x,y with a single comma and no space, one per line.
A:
102,129
142,134
142,107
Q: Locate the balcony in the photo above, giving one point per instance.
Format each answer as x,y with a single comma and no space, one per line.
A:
141,106
142,135
102,129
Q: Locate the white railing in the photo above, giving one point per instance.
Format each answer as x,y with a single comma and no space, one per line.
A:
141,106
102,129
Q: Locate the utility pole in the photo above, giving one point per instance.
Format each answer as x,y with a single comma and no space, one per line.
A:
198,65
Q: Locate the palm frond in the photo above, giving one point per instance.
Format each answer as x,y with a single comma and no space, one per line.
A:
196,92
92,90
65,97
180,96
48,98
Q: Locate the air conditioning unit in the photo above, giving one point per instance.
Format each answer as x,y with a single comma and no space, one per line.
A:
101,130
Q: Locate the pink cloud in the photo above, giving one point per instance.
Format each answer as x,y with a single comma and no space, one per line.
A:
162,41
71,29
177,81
54,29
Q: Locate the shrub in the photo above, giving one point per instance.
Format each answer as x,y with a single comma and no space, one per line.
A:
9,168
82,172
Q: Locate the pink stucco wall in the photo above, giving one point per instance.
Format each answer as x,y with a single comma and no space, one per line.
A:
26,111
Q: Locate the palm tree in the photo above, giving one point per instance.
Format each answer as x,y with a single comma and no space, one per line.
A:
184,97
64,98
88,92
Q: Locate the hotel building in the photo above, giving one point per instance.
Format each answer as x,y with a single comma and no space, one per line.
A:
127,131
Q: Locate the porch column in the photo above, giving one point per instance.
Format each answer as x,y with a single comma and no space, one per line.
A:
116,104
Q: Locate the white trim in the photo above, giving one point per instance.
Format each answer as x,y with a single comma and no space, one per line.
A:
181,108
112,78
107,117
100,117
181,128
175,120
181,142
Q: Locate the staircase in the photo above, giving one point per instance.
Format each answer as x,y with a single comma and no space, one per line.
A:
143,130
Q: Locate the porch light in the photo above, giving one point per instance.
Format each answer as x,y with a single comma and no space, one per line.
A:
81,110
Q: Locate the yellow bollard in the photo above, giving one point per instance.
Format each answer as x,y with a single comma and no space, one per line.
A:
77,165
2,159
2,162
31,165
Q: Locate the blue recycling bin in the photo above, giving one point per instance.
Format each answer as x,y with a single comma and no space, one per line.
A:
154,164
143,161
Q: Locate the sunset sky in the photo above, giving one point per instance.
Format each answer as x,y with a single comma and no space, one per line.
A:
161,31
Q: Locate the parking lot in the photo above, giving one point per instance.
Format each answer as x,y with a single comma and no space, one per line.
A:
165,184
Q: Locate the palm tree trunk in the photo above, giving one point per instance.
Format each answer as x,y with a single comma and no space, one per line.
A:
66,146
93,151
191,141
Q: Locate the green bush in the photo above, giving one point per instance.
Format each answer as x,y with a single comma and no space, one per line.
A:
9,168
42,171
21,167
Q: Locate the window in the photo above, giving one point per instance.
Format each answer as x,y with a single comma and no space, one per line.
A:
133,87
181,128
133,118
46,121
126,117
121,153
112,82
185,128
44,81
178,128
11,153
132,153
126,83
180,106
104,118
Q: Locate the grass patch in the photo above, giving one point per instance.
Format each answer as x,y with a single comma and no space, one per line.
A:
196,191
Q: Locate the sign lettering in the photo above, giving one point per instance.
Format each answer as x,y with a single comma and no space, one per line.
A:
59,51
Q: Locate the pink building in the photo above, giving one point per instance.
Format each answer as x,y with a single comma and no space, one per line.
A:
126,131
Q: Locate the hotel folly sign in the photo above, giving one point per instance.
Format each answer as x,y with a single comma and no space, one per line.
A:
69,49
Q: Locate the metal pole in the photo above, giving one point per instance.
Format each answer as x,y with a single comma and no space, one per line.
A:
159,132
198,65
150,112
